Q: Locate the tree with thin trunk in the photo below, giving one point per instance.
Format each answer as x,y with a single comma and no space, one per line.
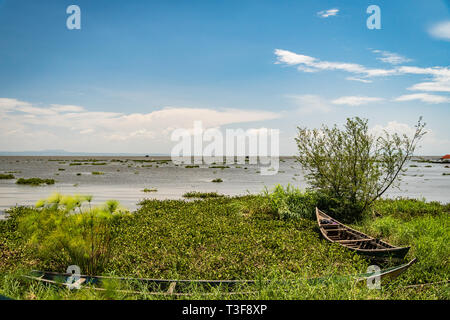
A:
352,167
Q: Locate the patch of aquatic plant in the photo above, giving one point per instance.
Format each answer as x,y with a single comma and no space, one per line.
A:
202,195
62,230
150,190
218,167
76,164
236,238
270,286
192,166
428,166
413,166
97,173
408,208
35,181
6,176
290,202
157,161
217,180
61,169
427,234
445,174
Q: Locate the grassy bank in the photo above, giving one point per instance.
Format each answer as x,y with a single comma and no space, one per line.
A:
243,238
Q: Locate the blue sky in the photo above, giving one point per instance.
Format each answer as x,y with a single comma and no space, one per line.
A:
138,69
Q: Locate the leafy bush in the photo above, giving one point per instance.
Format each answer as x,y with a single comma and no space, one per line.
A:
6,176
35,181
197,194
352,167
63,230
290,202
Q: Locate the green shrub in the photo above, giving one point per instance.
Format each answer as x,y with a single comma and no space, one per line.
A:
290,202
203,195
351,166
61,229
35,181
6,176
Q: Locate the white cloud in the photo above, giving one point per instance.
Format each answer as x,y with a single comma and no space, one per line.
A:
312,64
424,97
66,108
439,85
441,30
429,145
439,77
24,126
359,79
391,57
328,13
355,100
393,127
8,104
310,103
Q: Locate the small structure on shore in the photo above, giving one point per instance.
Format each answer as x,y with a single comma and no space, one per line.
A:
445,158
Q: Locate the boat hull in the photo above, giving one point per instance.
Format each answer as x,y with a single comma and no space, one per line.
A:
336,232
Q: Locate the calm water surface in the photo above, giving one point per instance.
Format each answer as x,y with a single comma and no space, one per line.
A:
124,179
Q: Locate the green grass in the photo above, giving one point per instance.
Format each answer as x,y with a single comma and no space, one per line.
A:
150,190
6,176
97,173
217,180
35,181
244,238
218,167
202,195
192,166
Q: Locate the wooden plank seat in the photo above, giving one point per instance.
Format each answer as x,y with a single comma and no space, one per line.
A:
353,240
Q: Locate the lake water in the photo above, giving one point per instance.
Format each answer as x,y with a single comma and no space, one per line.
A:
124,179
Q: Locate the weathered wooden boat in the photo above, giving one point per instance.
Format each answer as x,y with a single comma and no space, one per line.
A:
181,287
337,232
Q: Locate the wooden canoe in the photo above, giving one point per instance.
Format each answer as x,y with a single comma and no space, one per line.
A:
337,232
